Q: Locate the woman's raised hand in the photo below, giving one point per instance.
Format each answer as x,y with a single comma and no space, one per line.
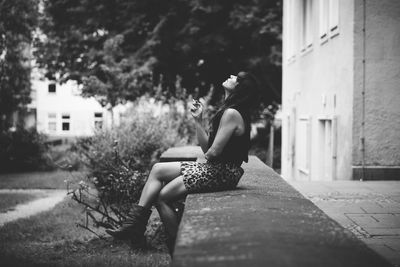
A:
196,108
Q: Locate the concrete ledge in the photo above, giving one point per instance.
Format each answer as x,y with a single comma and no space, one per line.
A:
183,153
265,222
376,173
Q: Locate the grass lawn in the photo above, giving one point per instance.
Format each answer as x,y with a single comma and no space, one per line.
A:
38,180
52,239
10,200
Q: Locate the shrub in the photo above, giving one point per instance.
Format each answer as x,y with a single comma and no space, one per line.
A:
23,150
66,157
119,159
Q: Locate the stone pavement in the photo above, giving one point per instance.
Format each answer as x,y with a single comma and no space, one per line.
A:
370,209
265,222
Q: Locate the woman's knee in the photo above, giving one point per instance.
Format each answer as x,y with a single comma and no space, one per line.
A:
165,171
163,197
172,191
156,170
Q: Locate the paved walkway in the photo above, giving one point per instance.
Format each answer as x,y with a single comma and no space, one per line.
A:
50,199
371,210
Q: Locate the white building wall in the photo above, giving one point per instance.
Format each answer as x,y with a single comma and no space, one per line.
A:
66,100
81,111
317,92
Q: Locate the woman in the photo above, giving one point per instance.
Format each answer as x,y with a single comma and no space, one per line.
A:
225,148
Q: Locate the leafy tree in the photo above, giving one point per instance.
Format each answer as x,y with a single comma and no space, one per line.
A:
202,41
116,79
17,22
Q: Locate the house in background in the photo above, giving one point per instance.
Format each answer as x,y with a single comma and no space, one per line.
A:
341,89
62,113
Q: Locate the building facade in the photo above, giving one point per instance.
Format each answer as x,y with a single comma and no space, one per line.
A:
62,113
341,89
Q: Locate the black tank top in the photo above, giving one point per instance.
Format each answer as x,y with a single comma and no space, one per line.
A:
237,149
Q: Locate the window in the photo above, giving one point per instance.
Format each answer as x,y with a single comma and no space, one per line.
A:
298,26
52,122
306,22
98,120
65,122
327,148
309,22
333,17
323,19
304,145
328,19
52,88
290,32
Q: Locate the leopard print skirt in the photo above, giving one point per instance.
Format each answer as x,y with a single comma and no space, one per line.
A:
210,176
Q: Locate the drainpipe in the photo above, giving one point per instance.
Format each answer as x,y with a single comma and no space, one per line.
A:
271,146
363,93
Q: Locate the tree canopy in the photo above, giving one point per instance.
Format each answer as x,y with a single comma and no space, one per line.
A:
18,19
122,45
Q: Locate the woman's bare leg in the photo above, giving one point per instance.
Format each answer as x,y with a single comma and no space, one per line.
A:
173,191
160,173
154,193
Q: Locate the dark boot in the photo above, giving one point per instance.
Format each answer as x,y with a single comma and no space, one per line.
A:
171,244
134,226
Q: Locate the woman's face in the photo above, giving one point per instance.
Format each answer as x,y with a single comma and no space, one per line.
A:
230,83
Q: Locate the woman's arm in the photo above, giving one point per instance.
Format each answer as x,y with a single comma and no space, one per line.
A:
196,108
227,126
202,136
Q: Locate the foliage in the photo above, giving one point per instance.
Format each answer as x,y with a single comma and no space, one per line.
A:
65,157
118,49
260,145
120,158
17,21
178,107
260,142
116,80
23,150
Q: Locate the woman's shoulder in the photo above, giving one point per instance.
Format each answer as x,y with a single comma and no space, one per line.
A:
235,117
236,112
229,115
232,114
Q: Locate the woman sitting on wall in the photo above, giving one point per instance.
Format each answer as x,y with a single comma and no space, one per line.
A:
225,148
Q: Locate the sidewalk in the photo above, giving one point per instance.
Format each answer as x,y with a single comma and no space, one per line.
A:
371,210
49,198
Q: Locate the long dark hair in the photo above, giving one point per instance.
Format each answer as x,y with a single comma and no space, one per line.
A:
244,95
